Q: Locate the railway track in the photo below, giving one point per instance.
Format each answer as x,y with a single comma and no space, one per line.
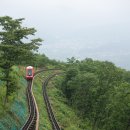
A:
52,118
33,119
31,123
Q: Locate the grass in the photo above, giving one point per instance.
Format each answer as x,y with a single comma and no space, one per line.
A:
44,123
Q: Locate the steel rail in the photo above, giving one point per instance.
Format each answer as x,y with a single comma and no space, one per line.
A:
32,119
52,118
39,71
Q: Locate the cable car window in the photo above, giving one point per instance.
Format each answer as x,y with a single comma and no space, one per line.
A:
29,72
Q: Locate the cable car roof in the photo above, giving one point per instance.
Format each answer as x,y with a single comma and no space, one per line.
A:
29,67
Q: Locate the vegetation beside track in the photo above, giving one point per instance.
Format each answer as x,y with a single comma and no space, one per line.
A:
99,92
64,114
14,113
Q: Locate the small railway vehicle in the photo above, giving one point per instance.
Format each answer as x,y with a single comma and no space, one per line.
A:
29,72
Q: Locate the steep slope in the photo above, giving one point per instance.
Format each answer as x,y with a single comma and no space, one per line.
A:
15,113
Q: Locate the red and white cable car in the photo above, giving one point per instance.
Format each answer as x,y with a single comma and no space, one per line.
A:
29,72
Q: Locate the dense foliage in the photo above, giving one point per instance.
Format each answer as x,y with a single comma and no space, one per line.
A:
99,92
41,60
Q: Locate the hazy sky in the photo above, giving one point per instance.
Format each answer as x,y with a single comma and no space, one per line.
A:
98,29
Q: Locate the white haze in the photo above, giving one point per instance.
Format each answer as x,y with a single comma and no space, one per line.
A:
97,29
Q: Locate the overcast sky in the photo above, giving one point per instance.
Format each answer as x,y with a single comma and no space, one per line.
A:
98,29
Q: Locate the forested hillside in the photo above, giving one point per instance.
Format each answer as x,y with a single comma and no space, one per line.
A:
99,92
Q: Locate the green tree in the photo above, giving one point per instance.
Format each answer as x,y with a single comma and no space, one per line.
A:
70,75
85,96
71,60
16,46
